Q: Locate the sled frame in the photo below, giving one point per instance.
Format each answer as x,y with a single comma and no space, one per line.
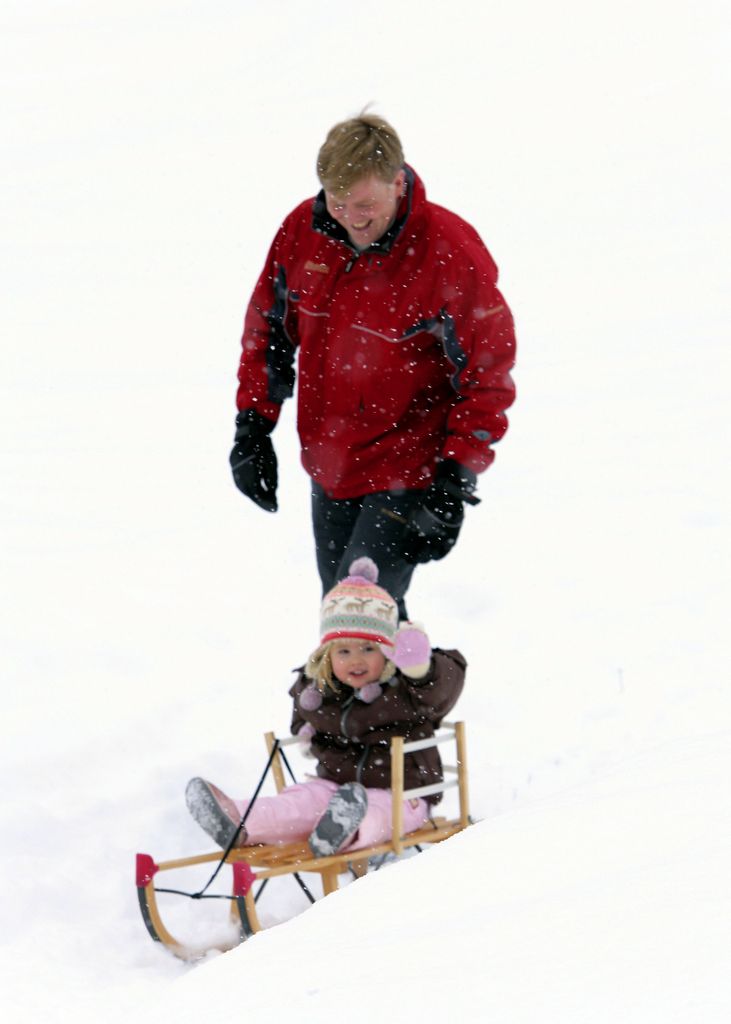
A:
260,863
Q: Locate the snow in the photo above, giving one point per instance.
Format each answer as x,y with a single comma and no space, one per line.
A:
151,617
560,919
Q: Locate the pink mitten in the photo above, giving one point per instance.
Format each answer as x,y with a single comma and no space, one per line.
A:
411,652
304,738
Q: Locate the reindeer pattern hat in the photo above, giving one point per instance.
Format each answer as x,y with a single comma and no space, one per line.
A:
357,607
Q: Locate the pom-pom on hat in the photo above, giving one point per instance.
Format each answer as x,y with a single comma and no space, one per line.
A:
358,607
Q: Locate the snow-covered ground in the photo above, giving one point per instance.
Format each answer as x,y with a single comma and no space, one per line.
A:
151,616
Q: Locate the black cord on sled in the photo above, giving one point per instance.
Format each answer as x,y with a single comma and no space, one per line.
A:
201,894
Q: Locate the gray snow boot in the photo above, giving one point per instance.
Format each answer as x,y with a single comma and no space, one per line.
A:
215,812
345,811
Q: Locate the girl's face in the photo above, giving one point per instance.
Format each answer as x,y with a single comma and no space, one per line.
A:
357,662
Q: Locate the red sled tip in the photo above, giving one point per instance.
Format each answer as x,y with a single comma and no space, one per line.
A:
243,877
145,870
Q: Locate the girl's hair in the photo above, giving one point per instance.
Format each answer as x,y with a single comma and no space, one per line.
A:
319,669
358,148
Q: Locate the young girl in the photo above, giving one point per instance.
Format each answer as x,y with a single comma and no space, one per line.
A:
370,679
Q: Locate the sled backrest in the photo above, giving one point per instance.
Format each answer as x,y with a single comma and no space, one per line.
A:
455,775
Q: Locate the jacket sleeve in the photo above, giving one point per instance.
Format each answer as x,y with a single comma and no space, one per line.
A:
298,719
268,344
479,341
436,693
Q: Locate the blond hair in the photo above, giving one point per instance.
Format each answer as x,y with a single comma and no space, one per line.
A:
358,148
319,669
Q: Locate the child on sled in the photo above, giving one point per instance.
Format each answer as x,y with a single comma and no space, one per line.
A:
369,679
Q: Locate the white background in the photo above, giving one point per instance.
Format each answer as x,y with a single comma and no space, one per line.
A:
151,616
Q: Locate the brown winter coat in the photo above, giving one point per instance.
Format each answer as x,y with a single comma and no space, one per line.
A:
352,739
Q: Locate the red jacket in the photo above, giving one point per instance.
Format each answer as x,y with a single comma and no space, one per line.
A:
405,349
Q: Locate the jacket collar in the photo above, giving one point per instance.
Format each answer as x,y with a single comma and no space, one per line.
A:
325,225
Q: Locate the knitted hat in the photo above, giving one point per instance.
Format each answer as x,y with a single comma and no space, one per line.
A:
357,607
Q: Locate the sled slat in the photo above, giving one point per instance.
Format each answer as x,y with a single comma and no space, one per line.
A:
277,770
433,741
464,797
397,793
438,787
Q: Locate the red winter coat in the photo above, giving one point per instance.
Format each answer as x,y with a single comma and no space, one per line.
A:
405,349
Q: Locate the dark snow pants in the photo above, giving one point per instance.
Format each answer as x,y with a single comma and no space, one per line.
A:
348,528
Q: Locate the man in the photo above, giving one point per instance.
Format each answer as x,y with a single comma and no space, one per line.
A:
405,351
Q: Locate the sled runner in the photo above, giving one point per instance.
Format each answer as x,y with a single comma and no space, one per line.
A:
261,863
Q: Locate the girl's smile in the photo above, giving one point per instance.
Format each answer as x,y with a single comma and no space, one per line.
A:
357,662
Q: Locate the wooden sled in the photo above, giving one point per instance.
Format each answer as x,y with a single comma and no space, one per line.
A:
260,863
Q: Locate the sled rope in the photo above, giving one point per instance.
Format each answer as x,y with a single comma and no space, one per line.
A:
235,836
201,894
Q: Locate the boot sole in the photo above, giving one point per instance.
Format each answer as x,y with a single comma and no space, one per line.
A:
206,808
345,812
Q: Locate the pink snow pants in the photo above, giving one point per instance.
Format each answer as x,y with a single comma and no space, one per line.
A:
292,814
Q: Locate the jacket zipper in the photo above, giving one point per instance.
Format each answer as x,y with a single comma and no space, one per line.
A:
366,747
346,711
362,761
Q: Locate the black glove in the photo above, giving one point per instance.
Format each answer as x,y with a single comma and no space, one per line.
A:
433,528
253,462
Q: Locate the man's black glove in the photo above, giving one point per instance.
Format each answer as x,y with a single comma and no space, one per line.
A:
253,462
433,528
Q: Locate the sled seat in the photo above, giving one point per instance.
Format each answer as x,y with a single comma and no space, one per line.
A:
260,863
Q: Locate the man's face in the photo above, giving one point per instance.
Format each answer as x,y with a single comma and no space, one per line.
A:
367,208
